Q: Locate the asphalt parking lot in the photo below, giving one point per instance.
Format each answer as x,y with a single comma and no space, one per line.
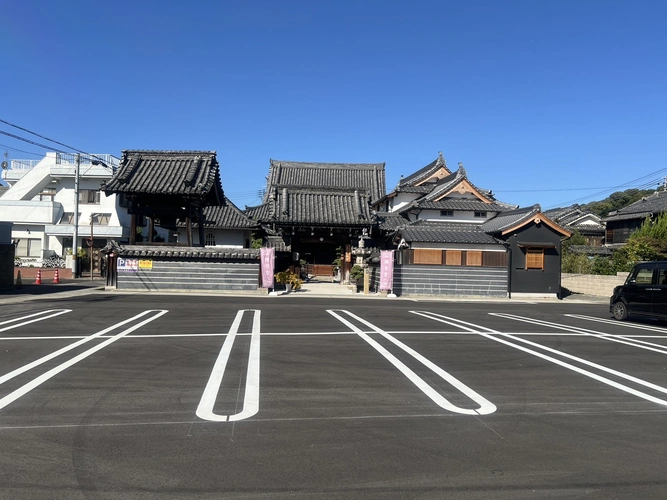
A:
146,396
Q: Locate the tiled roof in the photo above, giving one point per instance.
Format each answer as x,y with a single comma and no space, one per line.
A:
555,214
447,233
144,251
259,212
586,226
619,216
226,216
653,204
424,172
569,217
390,221
359,176
461,204
423,189
510,218
589,250
193,174
317,207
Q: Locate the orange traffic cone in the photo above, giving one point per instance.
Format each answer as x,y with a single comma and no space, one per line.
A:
38,281
56,278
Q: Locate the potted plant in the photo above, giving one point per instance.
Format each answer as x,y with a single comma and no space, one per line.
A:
289,279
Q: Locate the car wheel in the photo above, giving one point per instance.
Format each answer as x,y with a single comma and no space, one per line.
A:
620,311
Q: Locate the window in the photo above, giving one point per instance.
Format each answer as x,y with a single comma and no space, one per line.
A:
481,215
68,218
447,213
210,239
644,276
89,196
47,194
29,248
101,219
535,258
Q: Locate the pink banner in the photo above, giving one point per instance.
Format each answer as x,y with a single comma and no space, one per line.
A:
386,269
268,259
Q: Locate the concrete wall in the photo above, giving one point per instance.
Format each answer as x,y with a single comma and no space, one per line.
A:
589,284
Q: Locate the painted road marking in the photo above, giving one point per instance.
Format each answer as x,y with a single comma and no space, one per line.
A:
641,344
251,398
52,313
21,391
63,350
485,406
623,324
494,335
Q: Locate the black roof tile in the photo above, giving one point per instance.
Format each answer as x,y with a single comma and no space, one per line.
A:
438,232
359,176
192,174
655,203
510,218
225,216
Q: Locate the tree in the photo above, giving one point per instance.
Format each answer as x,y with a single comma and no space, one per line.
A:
575,239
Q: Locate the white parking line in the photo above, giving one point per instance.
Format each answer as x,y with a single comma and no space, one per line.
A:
55,312
485,406
494,335
21,391
63,350
640,344
251,398
623,324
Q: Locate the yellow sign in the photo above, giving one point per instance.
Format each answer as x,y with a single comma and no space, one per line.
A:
145,264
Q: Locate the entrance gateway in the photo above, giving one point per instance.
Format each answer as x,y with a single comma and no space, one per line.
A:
318,211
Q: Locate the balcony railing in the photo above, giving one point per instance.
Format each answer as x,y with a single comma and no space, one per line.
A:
70,159
23,164
67,159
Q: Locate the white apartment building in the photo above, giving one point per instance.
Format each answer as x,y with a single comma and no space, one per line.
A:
41,200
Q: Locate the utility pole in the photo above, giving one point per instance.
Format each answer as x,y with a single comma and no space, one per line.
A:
75,250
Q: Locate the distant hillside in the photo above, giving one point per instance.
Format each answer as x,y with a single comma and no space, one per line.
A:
616,200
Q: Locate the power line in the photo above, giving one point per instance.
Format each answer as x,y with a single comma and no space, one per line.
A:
41,136
46,138
32,142
20,150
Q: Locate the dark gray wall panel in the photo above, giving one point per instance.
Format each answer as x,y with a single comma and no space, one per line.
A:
205,276
448,280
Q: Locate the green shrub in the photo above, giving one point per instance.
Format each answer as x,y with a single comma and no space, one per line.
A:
289,278
356,273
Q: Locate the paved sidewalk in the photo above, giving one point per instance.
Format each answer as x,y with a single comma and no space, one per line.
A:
315,289
66,288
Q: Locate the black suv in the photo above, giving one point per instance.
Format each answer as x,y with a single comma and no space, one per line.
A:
643,294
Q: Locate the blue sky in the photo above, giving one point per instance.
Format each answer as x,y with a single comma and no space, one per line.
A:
548,102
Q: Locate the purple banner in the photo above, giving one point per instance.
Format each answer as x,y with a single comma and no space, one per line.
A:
268,260
386,269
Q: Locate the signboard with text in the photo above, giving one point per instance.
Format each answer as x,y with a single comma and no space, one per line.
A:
146,264
127,265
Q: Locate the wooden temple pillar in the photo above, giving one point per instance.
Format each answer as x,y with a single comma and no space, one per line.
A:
202,229
151,228
133,229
